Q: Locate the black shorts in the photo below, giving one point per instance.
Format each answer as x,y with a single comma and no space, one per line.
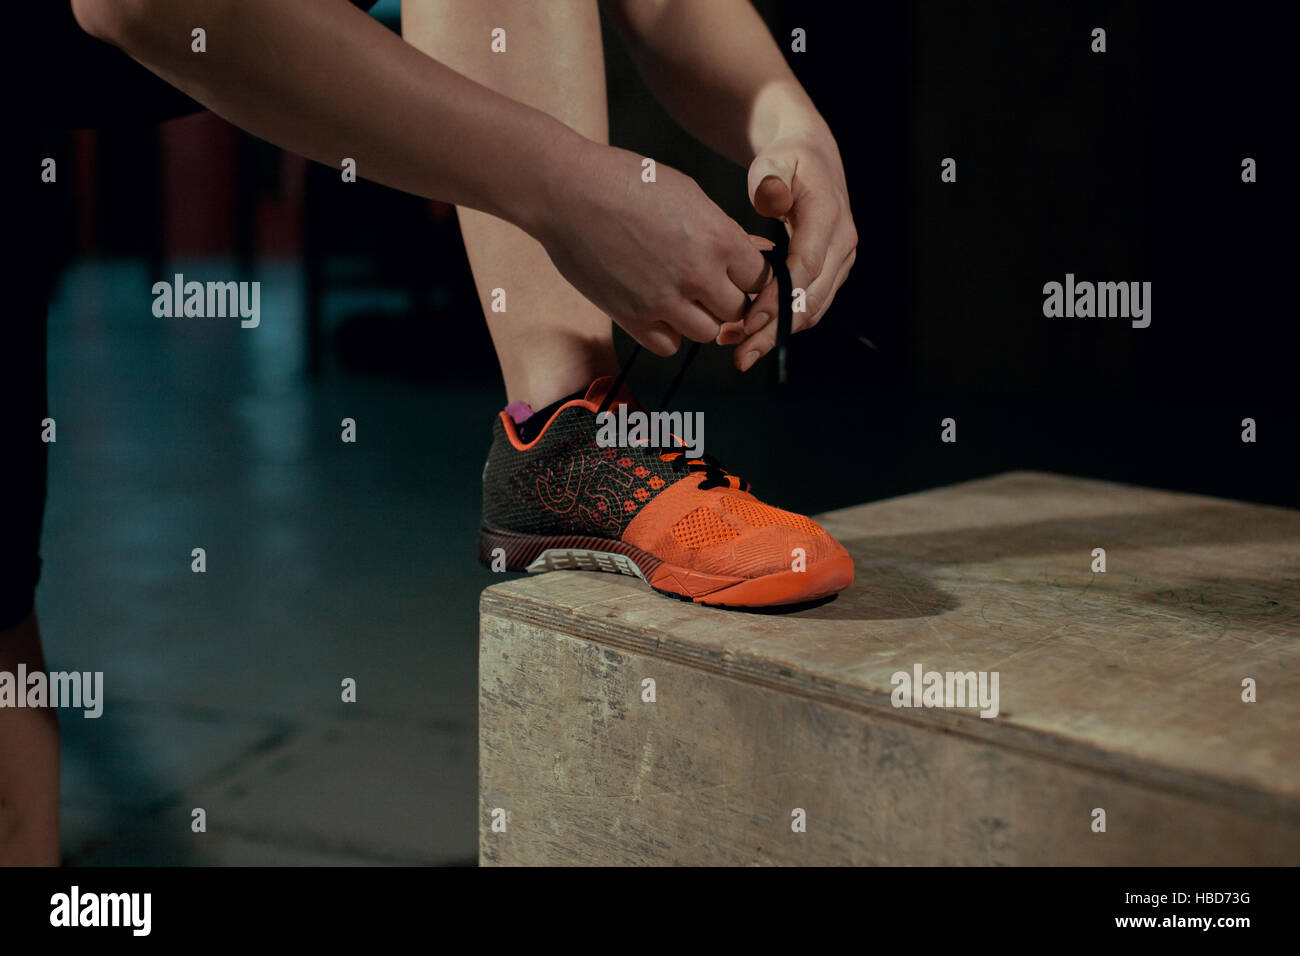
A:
59,78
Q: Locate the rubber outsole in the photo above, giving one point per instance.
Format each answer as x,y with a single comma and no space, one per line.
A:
513,551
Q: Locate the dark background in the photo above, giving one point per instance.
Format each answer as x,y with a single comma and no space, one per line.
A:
1117,166
328,560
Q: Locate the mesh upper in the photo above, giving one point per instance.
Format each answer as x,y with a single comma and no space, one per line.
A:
566,483
764,516
700,528
730,533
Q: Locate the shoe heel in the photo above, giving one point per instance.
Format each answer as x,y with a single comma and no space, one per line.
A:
493,546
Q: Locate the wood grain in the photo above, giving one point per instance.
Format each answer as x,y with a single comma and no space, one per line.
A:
1119,690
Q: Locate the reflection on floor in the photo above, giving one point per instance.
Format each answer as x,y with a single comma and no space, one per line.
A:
325,561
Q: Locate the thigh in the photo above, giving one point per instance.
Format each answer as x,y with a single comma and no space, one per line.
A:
553,58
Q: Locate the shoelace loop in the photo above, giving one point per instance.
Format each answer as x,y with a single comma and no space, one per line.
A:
715,475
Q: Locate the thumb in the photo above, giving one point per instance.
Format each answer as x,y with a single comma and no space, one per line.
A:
770,178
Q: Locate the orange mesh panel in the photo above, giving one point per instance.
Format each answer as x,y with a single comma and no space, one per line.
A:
701,527
761,516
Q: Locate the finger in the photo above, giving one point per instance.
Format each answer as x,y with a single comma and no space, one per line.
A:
730,333
724,303
694,322
771,184
764,277
763,338
828,283
746,267
847,267
839,279
766,306
661,339
755,347
763,332
763,308
773,198
814,224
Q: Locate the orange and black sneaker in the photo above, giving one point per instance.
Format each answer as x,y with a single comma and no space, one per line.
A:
555,498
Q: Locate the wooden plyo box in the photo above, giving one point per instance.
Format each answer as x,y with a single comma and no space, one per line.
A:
1119,691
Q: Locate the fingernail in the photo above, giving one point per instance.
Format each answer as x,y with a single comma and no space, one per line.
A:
760,319
750,358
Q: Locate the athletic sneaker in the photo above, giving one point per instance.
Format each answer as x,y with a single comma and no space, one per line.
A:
553,499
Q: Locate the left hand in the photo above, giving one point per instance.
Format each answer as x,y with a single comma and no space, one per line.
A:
800,180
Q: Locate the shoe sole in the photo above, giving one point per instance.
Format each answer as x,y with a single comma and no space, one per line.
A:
536,553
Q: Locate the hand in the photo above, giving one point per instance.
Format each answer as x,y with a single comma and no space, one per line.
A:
659,258
800,180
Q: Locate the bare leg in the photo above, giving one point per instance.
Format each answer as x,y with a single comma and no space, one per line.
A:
29,762
550,341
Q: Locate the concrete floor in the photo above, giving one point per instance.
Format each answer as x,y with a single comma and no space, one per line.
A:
325,561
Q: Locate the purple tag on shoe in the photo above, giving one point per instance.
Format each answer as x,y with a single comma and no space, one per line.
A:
519,412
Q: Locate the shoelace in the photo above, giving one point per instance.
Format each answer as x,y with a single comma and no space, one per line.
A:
715,475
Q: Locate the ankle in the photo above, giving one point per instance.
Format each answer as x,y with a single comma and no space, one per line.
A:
547,378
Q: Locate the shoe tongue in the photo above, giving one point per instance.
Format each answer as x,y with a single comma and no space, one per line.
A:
599,389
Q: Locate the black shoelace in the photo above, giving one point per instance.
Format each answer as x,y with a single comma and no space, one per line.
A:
715,475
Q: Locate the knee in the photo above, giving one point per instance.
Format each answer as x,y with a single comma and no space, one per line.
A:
112,21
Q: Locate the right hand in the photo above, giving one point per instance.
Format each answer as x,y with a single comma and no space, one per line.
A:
659,258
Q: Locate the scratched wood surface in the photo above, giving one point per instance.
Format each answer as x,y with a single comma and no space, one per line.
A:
1119,691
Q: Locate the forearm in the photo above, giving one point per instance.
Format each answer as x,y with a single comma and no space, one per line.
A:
717,70
322,79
